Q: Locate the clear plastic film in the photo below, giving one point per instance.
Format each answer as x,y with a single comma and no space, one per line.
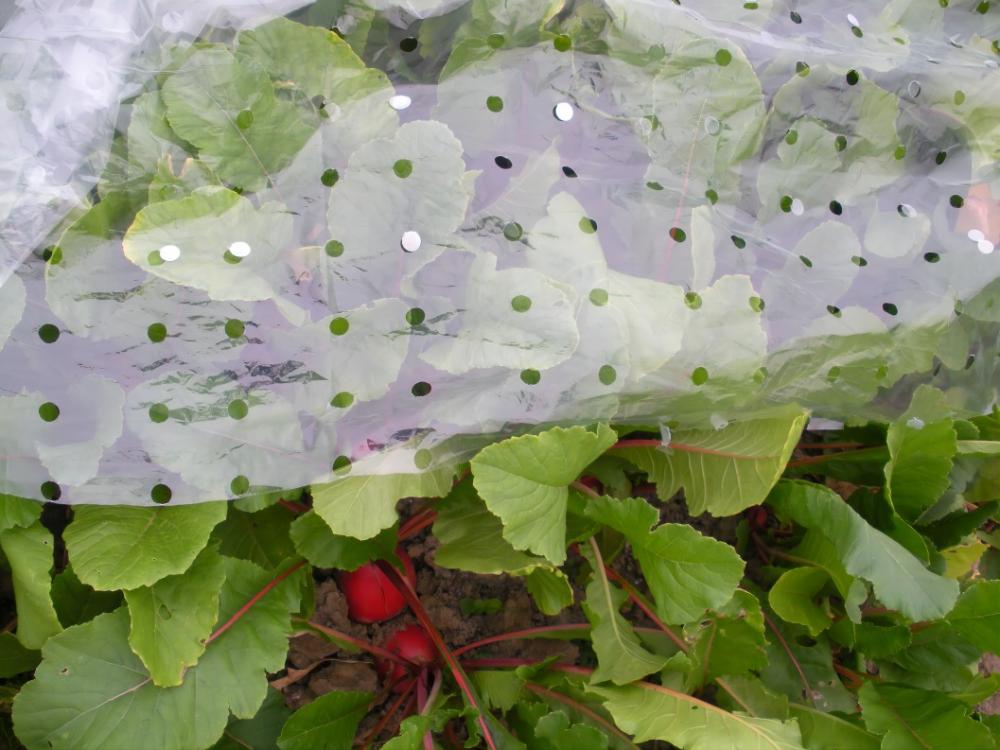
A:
258,245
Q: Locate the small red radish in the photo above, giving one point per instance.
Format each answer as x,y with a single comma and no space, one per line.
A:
371,596
412,644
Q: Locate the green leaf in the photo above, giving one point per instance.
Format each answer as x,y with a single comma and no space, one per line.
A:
91,692
873,640
203,225
314,60
922,444
551,590
954,527
555,732
471,539
722,471
171,619
899,580
938,658
657,713
29,552
686,571
370,187
204,98
524,480
76,602
976,616
329,721
361,506
501,689
261,537
913,719
728,642
801,668
261,732
324,549
621,657
126,547
15,658
824,731
16,512
792,598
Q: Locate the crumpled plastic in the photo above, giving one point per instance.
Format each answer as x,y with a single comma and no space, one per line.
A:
251,246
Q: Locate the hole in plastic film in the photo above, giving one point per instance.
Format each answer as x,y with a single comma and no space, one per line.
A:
976,235
797,207
712,125
913,89
906,210
563,111
240,249
410,241
400,102
985,247
169,253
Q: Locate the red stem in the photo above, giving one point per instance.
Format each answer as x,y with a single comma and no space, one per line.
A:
364,645
416,524
253,600
515,634
413,601
582,488
297,508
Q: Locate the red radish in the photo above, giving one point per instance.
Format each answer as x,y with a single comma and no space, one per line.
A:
412,644
371,596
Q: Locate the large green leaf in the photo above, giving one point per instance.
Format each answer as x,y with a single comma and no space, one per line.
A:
792,597
171,619
260,537
203,225
330,722
315,60
524,481
16,512
654,712
900,580
922,444
471,538
315,541
686,571
127,547
29,552
621,657
728,642
976,616
14,657
261,732
91,692
205,98
722,471
824,731
914,719
361,506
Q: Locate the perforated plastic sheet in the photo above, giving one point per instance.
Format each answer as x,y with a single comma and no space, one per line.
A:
243,251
